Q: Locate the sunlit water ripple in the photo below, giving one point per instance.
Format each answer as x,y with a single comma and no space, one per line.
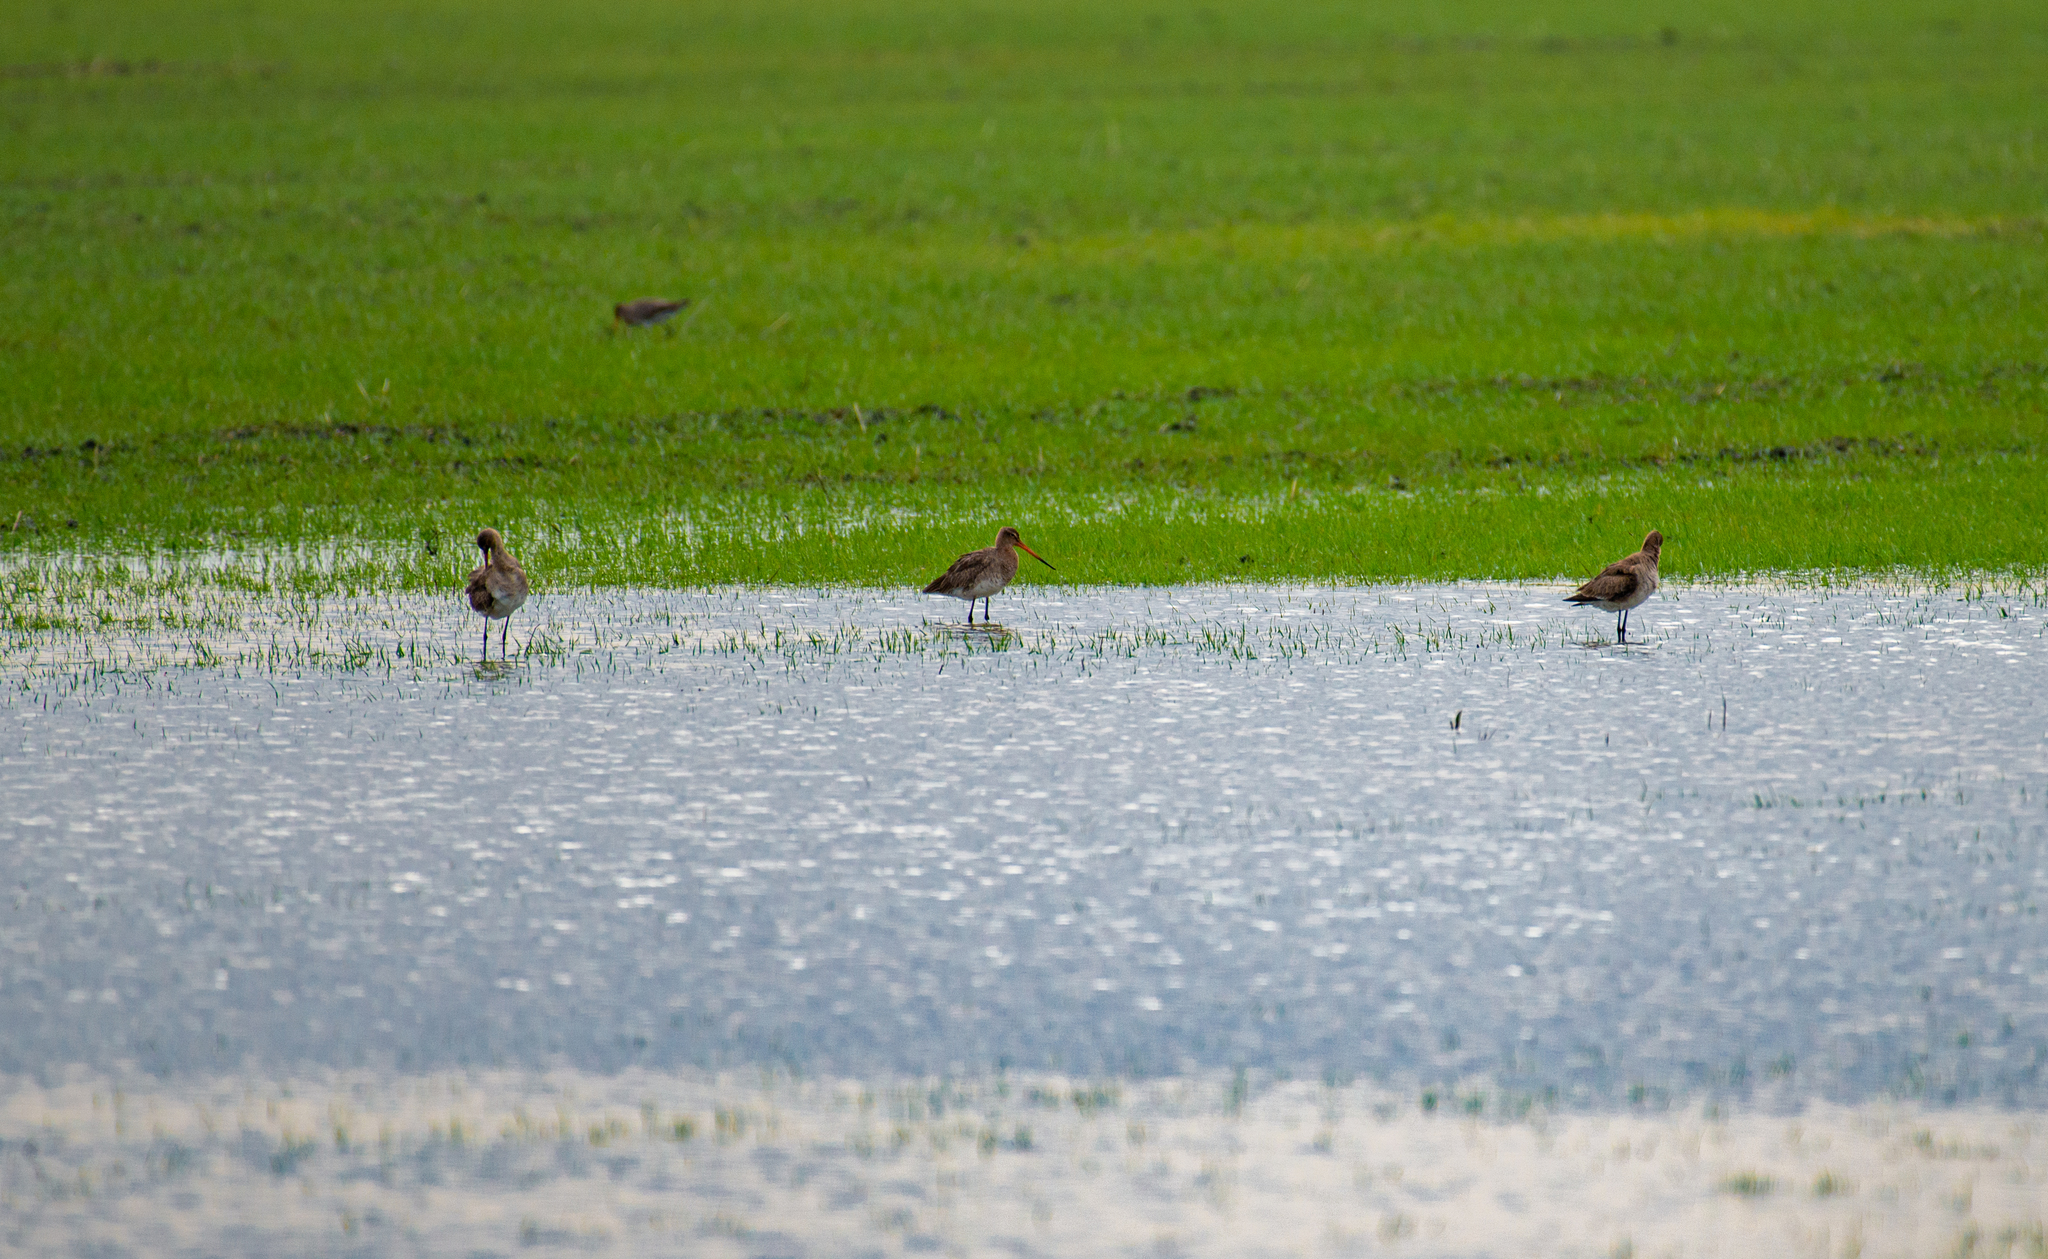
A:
1420,836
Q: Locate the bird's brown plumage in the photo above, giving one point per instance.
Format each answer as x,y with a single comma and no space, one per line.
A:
1624,584
981,574
642,311
497,587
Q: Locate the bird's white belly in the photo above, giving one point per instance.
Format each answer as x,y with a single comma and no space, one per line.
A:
504,604
981,587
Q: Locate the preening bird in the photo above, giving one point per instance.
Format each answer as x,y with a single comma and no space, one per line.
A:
1624,584
980,574
496,588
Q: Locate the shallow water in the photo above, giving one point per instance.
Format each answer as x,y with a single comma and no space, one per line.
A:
1447,843
1415,834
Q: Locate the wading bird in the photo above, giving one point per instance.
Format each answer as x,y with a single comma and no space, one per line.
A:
496,588
979,574
642,311
1623,584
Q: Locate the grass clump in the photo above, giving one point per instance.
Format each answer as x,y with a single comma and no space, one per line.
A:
1748,1184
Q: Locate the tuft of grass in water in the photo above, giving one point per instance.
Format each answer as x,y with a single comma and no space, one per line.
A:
1747,1184
1405,291
1829,1185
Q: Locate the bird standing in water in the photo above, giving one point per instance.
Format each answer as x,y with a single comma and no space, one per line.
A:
496,588
1623,584
979,574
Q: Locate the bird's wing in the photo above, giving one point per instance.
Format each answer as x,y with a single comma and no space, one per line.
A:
1616,581
479,590
960,574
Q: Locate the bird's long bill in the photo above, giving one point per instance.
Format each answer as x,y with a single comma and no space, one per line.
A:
1036,556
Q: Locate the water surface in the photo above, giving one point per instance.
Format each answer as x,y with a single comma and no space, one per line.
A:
1790,846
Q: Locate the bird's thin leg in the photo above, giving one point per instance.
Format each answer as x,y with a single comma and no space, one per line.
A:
503,634
1621,627
970,611
487,639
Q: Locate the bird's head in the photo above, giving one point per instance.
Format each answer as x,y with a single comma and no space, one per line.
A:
1653,542
489,541
1008,536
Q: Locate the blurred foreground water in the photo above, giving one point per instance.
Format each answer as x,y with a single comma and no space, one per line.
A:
1289,875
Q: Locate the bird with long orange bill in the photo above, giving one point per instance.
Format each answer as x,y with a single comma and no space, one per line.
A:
980,574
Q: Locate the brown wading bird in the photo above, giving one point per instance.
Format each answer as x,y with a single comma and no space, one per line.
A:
642,311
496,588
1623,584
979,574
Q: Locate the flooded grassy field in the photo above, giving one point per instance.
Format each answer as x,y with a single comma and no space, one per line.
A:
778,921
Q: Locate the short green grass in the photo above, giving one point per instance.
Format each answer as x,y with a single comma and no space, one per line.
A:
1187,292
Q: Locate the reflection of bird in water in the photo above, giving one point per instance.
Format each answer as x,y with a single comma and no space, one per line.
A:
979,574
1623,584
496,588
642,311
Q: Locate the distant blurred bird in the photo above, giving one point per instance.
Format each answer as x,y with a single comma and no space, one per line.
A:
979,574
642,311
1623,584
496,588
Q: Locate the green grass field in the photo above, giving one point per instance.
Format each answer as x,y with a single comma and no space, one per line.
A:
1186,292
